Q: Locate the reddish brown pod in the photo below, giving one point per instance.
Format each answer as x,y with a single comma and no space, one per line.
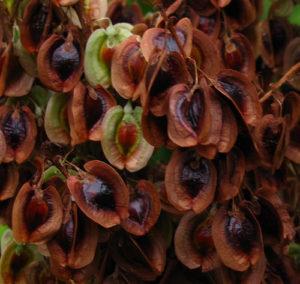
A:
241,92
35,27
37,214
19,129
127,67
158,38
5,53
194,244
86,110
144,209
237,237
60,61
210,25
101,194
238,55
74,245
190,181
9,176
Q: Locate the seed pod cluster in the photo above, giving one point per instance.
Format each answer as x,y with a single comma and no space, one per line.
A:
156,147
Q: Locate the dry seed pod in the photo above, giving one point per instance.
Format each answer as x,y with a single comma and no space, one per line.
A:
144,209
19,129
147,251
123,143
293,149
159,38
9,176
34,28
4,58
190,181
210,25
127,67
237,237
241,92
270,137
37,214
86,110
290,106
238,55
206,53
60,61
188,118
75,243
194,245
231,171
291,57
102,195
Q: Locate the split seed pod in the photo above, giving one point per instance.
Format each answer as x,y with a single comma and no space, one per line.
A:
127,67
194,245
86,110
190,181
99,51
242,93
102,194
158,38
237,237
9,176
144,209
37,214
74,245
19,129
122,142
60,61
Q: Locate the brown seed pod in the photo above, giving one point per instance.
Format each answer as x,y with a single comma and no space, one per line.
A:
194,245
210,25
290,106
19,129
270,137
60,61
74,245
36,27
206,53
147,252
102,195
237,237
9,176
127,67
190,181
144,209
238,55
241,92
5,53
159,38
231,171
37,214
293,149
86,110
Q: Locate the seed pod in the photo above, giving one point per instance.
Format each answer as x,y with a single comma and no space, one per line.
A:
60,61
86,110
127,68
19,129
102,195
95,9
4,58
144,209
293,149
9,176
99,51
55,122
158,38
75,243
123,143
210,25
194,245
237,237
190,181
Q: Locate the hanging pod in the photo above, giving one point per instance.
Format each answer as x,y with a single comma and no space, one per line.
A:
194,244
237,236
190,181
86,110
101,194
60,61
144,209
19,129
122,141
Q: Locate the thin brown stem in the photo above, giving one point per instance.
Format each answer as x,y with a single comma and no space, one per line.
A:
278,84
